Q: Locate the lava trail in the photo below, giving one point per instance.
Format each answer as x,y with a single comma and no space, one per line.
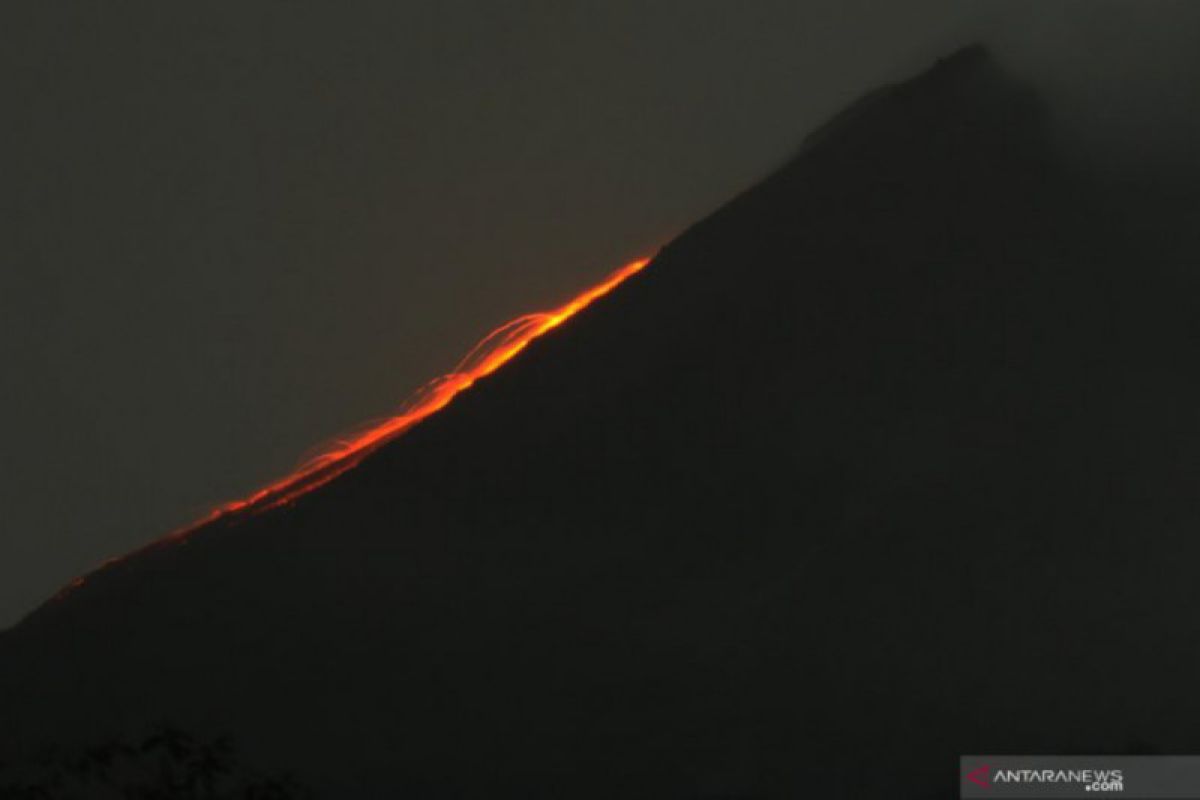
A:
495,350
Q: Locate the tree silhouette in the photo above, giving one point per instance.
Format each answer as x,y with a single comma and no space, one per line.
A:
168,764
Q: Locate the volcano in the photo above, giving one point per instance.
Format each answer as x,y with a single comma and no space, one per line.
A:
892,458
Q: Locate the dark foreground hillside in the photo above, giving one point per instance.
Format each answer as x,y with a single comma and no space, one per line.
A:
892,458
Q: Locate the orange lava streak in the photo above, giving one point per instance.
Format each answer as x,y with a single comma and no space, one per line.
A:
495,350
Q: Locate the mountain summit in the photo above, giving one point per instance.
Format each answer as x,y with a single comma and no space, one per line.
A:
890,459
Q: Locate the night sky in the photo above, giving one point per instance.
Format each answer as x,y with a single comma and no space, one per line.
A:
233,230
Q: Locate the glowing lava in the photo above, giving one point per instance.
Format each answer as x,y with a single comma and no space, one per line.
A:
495,350
490,354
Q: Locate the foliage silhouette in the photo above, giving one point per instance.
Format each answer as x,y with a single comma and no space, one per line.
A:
168,764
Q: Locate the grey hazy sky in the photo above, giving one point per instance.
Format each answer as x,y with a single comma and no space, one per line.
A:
231,230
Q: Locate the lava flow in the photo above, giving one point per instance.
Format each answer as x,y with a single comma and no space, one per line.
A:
495,350
485,358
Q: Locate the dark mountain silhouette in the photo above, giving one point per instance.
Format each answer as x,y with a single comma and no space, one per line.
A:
892,458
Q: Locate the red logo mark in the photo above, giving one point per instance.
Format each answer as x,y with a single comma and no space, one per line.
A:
981,776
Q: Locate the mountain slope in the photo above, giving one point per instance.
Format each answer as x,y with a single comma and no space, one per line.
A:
889,459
